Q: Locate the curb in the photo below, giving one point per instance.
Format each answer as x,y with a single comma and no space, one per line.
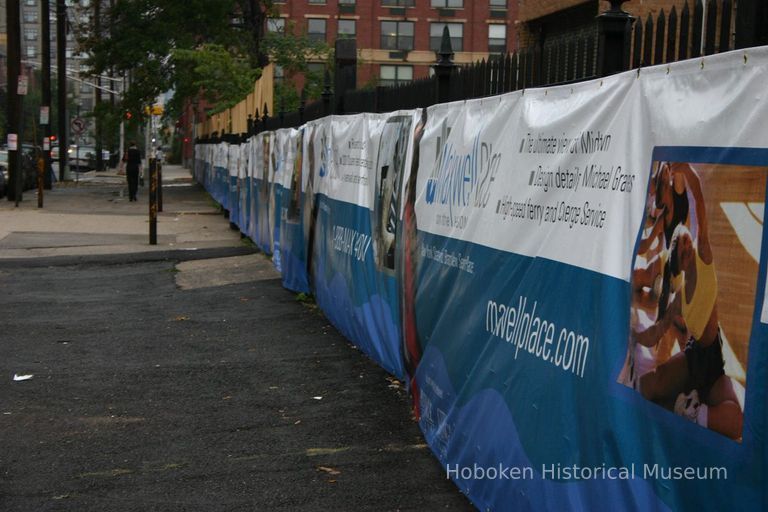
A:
127,258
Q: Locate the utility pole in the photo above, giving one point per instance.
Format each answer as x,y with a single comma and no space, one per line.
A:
45,112
97,92
15,169
61,63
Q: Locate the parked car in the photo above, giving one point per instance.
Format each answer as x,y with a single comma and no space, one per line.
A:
3,172
28,164
83,158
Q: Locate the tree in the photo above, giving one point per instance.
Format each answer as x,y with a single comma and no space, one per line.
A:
223,78
214,48
293,52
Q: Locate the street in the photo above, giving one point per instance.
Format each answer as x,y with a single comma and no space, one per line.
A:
184,377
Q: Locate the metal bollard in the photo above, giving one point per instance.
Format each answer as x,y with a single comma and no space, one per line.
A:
152,201
159,186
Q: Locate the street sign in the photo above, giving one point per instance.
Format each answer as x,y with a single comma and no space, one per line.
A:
78,125
21,88
45,115
157,110
12,142
46,143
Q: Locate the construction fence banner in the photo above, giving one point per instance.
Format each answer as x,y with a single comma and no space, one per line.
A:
570,279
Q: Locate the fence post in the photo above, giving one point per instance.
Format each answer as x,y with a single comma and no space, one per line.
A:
327,94
751,23
444,68
613,39
345,73
250,124
302,105
264,118
281,113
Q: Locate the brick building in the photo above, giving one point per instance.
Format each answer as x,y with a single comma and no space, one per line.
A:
396,39
547,20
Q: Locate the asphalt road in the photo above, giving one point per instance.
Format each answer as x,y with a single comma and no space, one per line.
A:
238,397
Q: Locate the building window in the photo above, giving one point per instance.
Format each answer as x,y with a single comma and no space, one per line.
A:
315,75
395,75
397,35
346,29
31,51
317,2
347,2
316,29
456,31
499,4
30,16
316,69
276,25
448,4
397,3
30,34
279,74
31,3
497,38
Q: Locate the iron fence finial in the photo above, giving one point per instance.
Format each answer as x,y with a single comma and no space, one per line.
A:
446,50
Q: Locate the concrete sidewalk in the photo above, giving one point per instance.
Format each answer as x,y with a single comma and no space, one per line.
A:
93,216
184,380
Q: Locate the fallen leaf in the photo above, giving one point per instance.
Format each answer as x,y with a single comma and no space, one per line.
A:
328,470
181,318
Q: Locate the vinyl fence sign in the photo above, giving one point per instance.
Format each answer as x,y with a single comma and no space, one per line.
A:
572,280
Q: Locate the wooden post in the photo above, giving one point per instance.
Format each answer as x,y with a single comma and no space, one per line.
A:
152,201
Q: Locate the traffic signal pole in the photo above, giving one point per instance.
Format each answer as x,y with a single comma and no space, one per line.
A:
45,113
61,65
15,122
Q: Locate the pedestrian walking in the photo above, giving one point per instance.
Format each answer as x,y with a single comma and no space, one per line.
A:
132,162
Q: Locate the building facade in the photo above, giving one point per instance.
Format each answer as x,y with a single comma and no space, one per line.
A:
78,13
397,39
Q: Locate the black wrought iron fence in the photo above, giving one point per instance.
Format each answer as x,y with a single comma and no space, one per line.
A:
619,42
705,29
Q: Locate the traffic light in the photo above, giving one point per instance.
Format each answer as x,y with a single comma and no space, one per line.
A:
128,115
54,139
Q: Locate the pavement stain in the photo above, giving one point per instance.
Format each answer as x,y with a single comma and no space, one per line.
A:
314,452
110,473
116,472
99,421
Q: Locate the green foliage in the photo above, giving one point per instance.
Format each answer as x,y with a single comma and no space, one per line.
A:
175,157
213,48
140,38
293,52
305,298
225,78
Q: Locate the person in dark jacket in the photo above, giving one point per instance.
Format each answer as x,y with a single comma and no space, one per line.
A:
132,159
